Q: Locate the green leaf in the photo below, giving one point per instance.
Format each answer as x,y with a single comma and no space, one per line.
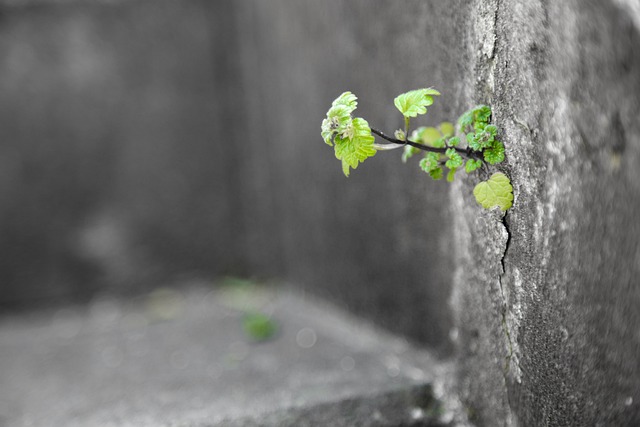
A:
477,117
447,129
414,102
259,326
451,175
453,142
347,99
431,165
430,162
357,147
472,164
482,113
430,135
455,159
495,192
338,119
495,153
436,173
465,121
439,143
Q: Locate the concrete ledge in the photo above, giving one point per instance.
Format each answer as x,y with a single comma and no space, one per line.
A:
184,359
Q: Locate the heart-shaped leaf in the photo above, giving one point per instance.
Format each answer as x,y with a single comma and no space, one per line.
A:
495,192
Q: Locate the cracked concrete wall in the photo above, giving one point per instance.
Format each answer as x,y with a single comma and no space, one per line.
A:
546,297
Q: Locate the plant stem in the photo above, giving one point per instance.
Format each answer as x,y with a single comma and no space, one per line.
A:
468,153
406,128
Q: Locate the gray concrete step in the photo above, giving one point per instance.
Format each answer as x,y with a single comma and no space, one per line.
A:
185,359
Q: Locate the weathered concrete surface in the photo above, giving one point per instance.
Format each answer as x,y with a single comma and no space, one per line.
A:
547,298
183,359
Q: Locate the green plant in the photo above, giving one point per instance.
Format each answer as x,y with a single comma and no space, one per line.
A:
259,326
470,144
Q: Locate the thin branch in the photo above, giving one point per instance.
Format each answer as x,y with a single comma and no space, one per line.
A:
462,151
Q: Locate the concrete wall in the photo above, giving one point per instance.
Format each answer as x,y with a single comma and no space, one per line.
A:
115,161
546,299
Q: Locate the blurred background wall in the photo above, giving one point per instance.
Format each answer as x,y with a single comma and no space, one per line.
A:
148,143
117,166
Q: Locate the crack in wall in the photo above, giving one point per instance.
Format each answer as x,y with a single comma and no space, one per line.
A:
505,308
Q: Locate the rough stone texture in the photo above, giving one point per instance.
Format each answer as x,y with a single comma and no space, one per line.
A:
546,297
183,359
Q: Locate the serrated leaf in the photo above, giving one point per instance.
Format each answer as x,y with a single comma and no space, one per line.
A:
414,102
495,192
477,117
337,121
348,100
491,129
436,173
430,162
472,164
495,153
453,142
455,159
447,129
357,148
474,142
465,121
482,113
481,140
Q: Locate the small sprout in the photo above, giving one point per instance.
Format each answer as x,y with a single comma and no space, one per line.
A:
495,153
472,164
354,142
258,326
453,142
455,159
